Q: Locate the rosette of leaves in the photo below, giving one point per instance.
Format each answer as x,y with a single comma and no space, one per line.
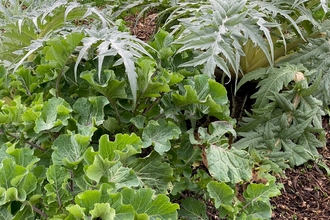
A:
241,36
285,124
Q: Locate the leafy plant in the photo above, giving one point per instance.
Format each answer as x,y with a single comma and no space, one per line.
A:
96,124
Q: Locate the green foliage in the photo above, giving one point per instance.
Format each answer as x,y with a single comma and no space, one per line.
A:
96,124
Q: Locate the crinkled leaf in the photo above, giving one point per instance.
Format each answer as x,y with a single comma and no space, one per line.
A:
113,172
192,208
145,202
110,87
90,110
153,172
159,133
103,211
261,192
205,94
124,146
55,115
222,194
11,174
69,149
229,165
23,157
56,187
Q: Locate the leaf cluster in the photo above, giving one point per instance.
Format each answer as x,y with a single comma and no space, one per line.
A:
96,124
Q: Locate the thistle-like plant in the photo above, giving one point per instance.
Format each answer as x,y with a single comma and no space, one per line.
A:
241,36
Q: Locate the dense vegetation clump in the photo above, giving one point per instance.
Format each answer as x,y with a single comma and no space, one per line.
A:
98,124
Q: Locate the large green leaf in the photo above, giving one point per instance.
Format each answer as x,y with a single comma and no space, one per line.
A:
69,149
23,157
145,202
54,116
90,110
205,95
111,172
159,133
124,146
191,208
152,172
57,194
261,192
229,165
109,86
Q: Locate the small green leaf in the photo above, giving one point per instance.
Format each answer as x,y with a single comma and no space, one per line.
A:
159,133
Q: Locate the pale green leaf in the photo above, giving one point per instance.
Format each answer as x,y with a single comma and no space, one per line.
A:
261,192
229,165
113,172
145,202
55,115
159,133
23,157
4,213
11,174
56,187
69,149
103,211
124,146
77,211
222,194
90,110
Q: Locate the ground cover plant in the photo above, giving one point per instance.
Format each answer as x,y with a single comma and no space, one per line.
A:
98,124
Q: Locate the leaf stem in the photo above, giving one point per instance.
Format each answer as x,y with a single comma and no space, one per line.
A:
25,141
